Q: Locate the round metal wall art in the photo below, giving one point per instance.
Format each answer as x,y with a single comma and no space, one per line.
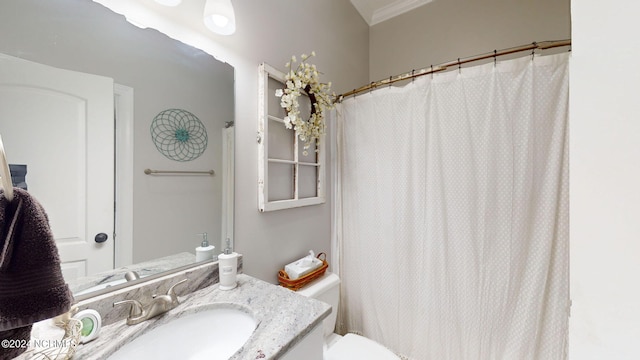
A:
179,135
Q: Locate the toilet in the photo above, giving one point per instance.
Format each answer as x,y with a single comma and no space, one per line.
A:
336,347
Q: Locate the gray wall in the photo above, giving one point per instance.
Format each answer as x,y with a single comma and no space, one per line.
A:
272,31
445,30
84,36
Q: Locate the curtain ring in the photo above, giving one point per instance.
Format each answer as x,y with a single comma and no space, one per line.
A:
371,86
533,51
495,58
390,77
431,72
459,67
413,77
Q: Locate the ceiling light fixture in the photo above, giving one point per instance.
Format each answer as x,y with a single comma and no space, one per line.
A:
169,2
219,17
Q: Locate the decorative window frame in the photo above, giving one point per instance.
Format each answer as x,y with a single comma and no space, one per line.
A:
265,164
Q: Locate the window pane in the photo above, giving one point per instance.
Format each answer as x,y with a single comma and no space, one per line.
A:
305,113
311,157
305,107
280,182
280,145
273,102
308,181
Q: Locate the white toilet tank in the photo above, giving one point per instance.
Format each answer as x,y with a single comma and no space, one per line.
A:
326,289
351,346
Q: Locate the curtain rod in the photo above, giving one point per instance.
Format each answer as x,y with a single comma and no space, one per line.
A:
442,67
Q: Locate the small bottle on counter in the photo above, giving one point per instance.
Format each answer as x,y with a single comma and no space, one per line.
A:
228,268
204,251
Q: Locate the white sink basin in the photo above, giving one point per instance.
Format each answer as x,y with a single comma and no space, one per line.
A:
210,334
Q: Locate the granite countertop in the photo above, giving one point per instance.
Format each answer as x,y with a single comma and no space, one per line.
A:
143,269
283,318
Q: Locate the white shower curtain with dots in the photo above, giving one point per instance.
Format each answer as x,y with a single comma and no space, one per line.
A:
452,213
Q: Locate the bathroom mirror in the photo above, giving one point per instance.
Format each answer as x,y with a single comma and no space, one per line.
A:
168,212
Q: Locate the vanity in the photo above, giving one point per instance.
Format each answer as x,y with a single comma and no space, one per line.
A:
288,326
284,324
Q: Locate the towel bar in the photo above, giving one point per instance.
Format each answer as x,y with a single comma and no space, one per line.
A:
160,172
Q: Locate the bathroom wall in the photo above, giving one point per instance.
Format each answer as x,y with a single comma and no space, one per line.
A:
272,31
444,30
605,178
339,36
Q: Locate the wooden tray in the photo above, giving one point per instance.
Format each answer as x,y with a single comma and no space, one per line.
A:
298,283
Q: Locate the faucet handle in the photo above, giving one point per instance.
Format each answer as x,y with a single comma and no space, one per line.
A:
172,292
136,307
131,275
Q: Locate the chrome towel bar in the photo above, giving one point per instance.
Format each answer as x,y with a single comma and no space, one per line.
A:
161,172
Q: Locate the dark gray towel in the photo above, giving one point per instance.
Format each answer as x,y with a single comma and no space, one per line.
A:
31,284
18,342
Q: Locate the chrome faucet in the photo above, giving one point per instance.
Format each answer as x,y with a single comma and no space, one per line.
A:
131,275
159,305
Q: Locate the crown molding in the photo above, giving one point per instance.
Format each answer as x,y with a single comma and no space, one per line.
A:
394,9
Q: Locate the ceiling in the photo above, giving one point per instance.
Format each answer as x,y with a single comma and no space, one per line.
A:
376,11
372,11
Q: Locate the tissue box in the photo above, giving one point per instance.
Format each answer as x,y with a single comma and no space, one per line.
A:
297,284
302,267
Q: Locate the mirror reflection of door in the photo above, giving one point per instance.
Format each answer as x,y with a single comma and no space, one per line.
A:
60,123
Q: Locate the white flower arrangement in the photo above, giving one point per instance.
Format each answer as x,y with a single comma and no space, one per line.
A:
304,79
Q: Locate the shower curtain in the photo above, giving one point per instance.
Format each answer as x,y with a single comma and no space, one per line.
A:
452,213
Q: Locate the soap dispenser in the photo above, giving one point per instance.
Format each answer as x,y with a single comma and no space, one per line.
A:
204,251
228,268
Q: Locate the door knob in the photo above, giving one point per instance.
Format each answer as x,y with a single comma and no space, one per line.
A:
100,238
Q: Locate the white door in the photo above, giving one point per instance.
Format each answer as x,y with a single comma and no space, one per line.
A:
60,124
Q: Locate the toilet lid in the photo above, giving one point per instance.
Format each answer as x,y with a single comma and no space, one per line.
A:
353,346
